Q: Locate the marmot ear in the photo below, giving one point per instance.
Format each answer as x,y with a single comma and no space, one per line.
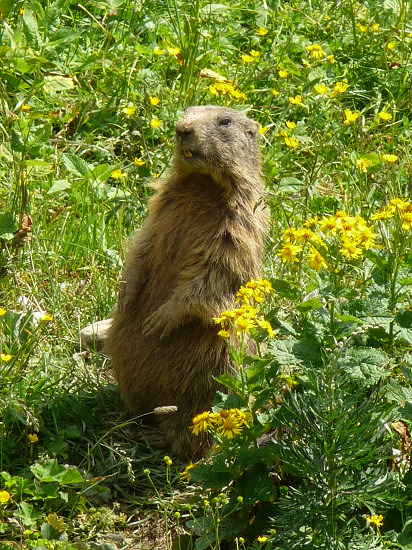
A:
252,127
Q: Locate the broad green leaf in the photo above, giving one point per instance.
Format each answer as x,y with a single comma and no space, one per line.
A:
8,225
290,185
76,165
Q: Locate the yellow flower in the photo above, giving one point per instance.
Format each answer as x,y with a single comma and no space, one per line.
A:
224,334
383,215
118,174
33,438
375,520
363,164
366,237
4,497
340,88
390,45
185,475
129,110
262,31
265,325
138,162
315,260
46,317
400,204
350,117
316,51
201,422
321,89
230,427
6,357
157,50
247,58
173,51
262,129
154,101
385,116
331,59
289,253
290,124
291,142
328,224
311,222
275,92
283,73
350,250
389,158
254,53
2,311
226,88
406,220
375,27
297,100
25,107
262,540
362,28
155,123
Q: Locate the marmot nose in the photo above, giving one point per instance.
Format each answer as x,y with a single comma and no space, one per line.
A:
183,131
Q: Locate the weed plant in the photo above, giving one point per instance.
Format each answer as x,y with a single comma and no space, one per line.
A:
312,442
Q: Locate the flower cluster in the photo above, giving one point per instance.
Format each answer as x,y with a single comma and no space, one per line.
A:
397,207
245,318
227,88
352,236
228,422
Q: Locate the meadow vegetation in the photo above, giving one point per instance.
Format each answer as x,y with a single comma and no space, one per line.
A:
312,443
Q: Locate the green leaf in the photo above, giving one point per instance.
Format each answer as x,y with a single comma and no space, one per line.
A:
405,538
8,226
313,303
290,185
53,472
212,477
59,186
30,29
76,165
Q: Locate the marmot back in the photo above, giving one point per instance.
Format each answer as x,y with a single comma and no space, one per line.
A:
203,239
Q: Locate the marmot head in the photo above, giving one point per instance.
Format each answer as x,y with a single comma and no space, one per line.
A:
219,142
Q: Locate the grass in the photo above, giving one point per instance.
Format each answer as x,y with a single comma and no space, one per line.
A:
90,93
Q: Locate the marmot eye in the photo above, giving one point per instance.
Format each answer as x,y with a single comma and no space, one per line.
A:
225,122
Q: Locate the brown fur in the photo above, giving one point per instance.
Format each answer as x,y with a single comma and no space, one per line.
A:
202,240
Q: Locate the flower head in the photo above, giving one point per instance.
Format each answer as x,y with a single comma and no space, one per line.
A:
155,123
340,88
297,101
2,311
185,475
321,89
33,438
262,31
118,174
6,357
375,520
350,117
363,164
201,422
289,253
283,73
316,51
383,115
129,110
291,142
154,100
315,260
389,158
4,497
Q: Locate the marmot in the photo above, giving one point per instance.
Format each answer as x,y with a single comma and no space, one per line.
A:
203,238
